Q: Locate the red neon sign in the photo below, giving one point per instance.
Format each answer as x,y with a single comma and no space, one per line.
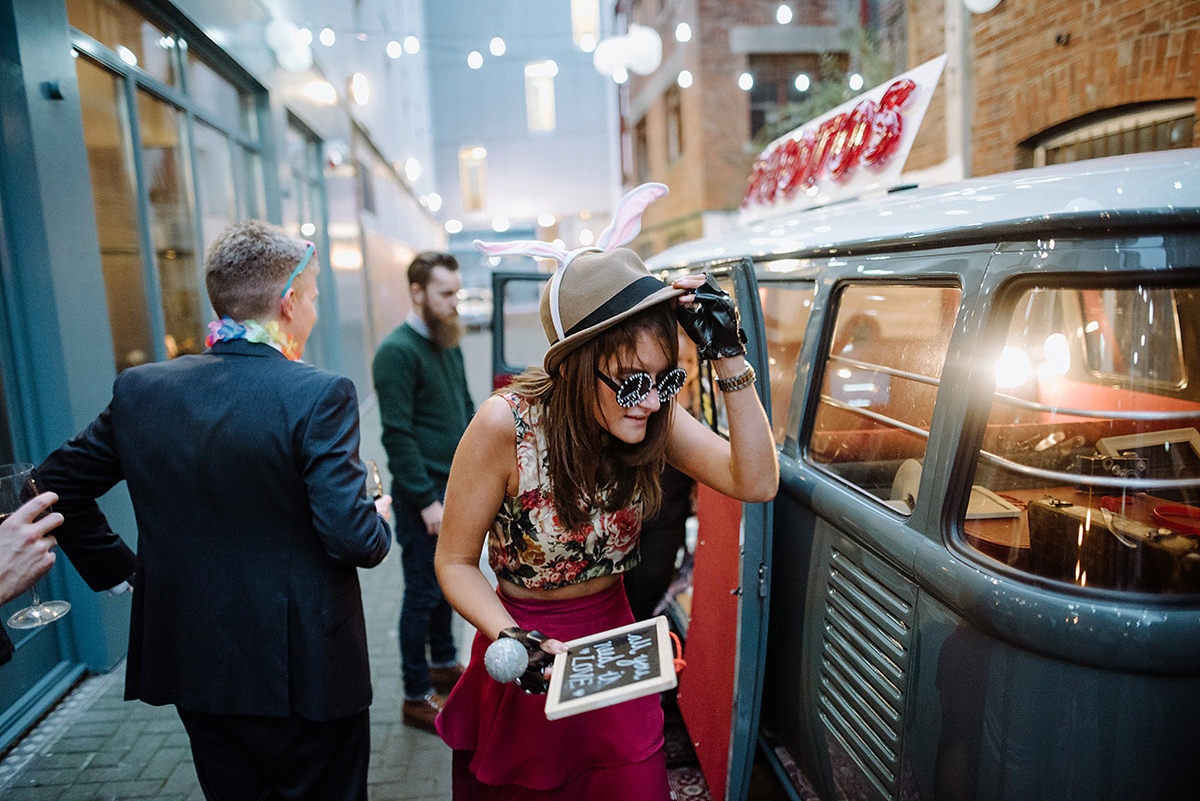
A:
867,136
853,148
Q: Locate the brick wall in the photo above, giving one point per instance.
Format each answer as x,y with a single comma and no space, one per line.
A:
713,170
1024,82
1019,82
926,40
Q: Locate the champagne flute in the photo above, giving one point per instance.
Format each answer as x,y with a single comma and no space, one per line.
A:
18,485
374,482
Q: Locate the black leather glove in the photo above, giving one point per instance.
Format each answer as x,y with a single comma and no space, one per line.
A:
711,321
531,681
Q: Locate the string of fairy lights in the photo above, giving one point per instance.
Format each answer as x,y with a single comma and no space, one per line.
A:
638,51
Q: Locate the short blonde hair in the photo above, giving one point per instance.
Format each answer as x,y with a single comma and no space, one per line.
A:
247,266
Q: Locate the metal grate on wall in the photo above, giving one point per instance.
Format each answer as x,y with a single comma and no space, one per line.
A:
865,656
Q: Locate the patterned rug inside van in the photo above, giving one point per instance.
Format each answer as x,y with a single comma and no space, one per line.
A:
683,770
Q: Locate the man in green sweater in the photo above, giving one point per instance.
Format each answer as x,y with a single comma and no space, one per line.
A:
425,407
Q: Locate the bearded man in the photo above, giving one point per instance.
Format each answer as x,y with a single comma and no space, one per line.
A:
425,407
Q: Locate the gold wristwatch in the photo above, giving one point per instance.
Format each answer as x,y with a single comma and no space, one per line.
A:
739,381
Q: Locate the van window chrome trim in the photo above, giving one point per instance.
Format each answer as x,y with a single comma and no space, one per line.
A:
1103,414
876,416
892,371
1098,481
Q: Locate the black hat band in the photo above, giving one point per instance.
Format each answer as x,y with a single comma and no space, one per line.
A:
623,301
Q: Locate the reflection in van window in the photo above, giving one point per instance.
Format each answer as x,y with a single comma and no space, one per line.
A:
1092,452
786,307
1132,335
879,384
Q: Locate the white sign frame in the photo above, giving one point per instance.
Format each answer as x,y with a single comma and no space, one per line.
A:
860,179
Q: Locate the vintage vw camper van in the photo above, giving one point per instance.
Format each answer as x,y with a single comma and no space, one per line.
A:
980,578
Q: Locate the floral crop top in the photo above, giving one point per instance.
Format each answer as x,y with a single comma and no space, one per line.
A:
529,547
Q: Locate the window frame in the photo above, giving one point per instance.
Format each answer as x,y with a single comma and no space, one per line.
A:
248,147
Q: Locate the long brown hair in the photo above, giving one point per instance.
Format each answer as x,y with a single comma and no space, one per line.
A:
589,468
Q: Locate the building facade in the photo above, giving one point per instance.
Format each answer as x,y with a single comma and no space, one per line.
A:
1025,83
131,134
524,126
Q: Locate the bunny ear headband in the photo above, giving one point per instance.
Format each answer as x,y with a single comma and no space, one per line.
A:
593,288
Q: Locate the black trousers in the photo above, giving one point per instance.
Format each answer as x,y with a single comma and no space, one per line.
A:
254,758
662,537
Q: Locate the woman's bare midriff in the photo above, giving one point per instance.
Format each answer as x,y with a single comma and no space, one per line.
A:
589,587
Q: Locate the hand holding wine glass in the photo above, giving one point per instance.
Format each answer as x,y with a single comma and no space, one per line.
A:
25,523
383,503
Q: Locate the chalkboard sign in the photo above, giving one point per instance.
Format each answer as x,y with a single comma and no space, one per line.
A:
610,667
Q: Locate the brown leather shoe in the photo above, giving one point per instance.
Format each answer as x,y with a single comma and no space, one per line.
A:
422,714
444,678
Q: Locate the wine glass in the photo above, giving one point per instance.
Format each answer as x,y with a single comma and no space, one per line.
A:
18,485
374,482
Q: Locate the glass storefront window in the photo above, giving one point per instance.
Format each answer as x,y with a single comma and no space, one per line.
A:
880,381
214,183
217,97
300,183
385,255
164,163
105,132
137,41
255,191
1092,450
143,145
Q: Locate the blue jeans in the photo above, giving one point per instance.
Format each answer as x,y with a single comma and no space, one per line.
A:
424,612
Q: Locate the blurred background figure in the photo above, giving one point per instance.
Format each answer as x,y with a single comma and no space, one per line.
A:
424,406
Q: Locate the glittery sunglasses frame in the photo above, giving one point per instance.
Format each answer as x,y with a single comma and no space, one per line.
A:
635,387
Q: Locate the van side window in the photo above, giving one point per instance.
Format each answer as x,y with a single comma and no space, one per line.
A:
786,307
880,380
1090,467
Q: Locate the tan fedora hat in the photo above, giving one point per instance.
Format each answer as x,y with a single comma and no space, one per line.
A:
593,287
595,291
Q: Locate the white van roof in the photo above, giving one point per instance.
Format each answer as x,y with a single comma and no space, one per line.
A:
1161,182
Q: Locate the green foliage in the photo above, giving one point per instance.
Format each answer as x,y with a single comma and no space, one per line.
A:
830,88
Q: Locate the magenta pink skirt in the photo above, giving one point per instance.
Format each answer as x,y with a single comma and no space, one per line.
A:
505,747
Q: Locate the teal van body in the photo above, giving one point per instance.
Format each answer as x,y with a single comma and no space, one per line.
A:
980,578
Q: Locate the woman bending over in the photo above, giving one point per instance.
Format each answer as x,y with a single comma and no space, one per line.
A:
556,473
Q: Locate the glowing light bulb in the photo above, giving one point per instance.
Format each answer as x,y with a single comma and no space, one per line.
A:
1013,368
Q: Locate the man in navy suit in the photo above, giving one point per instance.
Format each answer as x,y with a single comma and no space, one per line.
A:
242,464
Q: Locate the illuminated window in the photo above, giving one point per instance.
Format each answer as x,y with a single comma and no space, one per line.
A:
539,94
137,40
472,175
585,21
168,172
1093,439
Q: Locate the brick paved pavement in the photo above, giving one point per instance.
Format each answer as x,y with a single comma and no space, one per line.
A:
94,746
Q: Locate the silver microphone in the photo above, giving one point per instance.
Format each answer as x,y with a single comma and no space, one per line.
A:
505,659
